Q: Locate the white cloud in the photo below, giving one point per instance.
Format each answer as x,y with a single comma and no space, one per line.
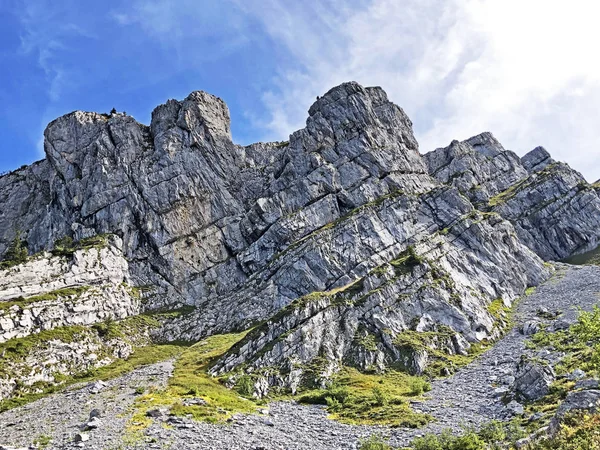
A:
525,70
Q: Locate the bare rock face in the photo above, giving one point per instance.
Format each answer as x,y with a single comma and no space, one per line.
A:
533,380
537,160
479,167
555,211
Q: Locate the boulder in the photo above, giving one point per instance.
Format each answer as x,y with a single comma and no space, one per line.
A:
576,401
533,380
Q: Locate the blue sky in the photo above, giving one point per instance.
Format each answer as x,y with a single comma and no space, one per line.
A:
525,71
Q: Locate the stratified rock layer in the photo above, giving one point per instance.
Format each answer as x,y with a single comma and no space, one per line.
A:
555,211
48,291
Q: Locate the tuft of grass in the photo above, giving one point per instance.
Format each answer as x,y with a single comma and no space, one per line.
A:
66,246
373,442
42,441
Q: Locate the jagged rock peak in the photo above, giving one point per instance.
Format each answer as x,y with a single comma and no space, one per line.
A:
486,144
199,112
536,160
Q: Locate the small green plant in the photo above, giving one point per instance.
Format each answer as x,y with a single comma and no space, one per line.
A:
333,404
380,397
140,390
418,386
16,253
42,441
64,246
470,440
245,386
374,442
587,327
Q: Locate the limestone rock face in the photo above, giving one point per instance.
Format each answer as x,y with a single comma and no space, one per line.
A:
408,301
555,211
51,291
537,160
479,167
533,380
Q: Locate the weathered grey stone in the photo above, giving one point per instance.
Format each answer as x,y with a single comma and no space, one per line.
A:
50,291
576,401
555,211
537,160
533,379
587,384
530,328
515,408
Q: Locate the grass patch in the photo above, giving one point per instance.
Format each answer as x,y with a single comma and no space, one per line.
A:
15,352
66,246
143,356
68,293
190,380
580,344
491,436
373,442
372,399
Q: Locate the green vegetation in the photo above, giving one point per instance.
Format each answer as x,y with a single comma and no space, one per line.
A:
491,436
42,441
406,261
15,254
577,432
434,343
580,343
374,399
497,309
143,356
373,442
15,351
65,294
190,379
66,246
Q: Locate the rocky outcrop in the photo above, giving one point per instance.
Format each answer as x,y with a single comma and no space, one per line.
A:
38,362
537,160
533,380
479,167
50,291
555,211
428,299
587,401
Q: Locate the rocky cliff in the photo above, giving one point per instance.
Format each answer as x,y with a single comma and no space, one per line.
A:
555,211
359,249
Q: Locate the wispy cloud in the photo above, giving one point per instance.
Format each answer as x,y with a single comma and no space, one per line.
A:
45,31
180,26
523,70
